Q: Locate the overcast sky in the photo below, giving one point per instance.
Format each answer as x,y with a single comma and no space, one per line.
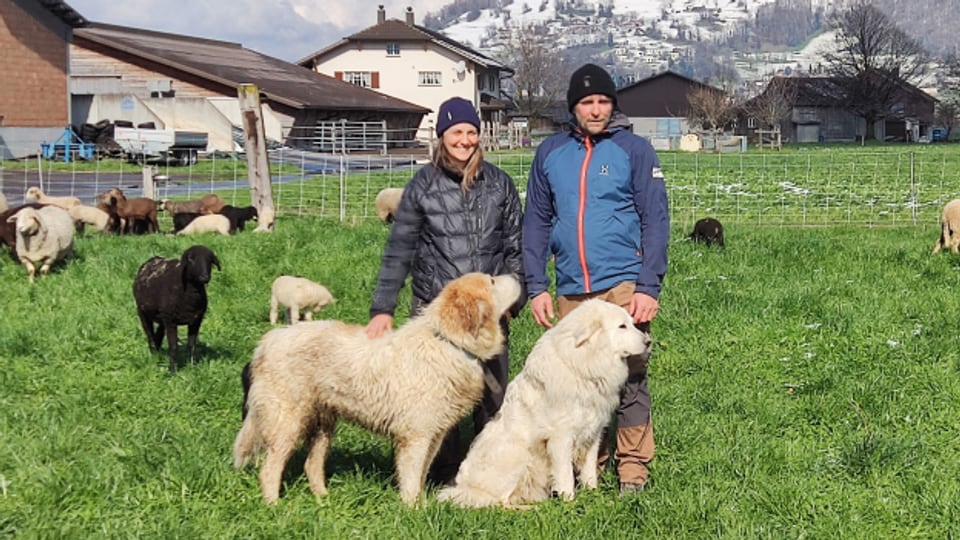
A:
286,29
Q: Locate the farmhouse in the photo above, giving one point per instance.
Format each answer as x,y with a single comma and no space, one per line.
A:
415,64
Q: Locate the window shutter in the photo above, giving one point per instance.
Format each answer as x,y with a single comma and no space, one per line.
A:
338,75
375,79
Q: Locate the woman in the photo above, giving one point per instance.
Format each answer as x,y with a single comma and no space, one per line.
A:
458,214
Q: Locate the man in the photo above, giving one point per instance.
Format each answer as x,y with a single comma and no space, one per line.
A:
596,200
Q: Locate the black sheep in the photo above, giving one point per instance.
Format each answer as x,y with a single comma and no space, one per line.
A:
182,219
708,230
171,293
238,216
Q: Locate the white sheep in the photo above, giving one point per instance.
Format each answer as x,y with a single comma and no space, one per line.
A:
90,215
387,202
35,195
295,294
949,227
208,223
44,235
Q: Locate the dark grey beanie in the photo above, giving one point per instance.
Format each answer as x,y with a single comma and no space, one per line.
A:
590,79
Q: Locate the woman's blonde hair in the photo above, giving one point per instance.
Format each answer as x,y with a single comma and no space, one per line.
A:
470,170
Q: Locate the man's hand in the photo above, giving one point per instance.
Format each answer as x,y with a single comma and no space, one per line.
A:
379,325
643,308
542,308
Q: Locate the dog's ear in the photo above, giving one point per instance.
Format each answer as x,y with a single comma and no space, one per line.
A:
464,311
584,333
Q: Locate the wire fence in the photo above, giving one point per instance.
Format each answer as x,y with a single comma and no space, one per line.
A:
876,187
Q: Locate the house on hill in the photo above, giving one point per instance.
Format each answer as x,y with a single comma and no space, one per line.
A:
413,63
34,97
189,83
658,106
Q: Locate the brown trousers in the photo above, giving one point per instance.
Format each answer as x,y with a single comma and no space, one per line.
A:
635,445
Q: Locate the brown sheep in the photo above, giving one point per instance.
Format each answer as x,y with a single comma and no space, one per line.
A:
949,228
132,211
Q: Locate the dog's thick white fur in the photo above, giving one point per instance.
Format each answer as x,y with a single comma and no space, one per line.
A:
412,384
553,413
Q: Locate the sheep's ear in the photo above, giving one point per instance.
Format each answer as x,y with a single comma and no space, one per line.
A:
12,219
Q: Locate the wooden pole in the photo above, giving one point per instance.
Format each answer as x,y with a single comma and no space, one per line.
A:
255,145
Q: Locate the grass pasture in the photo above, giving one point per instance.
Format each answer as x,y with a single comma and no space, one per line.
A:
806,384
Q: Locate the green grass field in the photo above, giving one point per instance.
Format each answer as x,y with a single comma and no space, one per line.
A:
805,381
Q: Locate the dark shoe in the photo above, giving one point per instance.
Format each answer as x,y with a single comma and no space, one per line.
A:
627,490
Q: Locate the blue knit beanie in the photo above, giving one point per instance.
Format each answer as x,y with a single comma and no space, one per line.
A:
454,111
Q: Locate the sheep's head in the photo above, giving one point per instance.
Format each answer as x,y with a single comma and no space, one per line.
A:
33,194
28,221
197,263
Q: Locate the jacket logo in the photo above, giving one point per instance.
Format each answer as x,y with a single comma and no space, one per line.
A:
604,170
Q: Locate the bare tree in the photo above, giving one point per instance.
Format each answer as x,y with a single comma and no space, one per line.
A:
873,59
710,110
540,75
773,104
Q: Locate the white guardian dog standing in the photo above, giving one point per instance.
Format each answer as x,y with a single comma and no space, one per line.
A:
553,413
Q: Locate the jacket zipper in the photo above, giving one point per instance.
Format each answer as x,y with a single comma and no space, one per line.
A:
581,244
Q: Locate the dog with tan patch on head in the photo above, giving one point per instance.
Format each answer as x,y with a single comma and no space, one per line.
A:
412,384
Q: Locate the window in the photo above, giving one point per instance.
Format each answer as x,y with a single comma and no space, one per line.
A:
359,78
429,78
393,49
751,123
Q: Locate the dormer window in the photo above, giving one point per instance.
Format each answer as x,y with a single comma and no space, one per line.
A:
393,49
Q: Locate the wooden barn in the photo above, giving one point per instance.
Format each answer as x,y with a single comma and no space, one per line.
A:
658,107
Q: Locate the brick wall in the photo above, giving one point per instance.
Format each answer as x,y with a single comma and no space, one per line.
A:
33,64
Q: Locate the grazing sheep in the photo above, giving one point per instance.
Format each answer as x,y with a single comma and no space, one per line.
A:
238,216
181,207
90,215
44,235
211,204
207,223
708,230
387,202
8,227
182,219
265,220
295,294
132,211
949,227
171,293
35,195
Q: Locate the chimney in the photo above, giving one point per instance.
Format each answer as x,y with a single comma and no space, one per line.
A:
381,14
410,15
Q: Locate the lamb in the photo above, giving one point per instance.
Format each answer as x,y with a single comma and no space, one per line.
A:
387,202
182,219
171,293
131,211
90,215
207,223
212,203
34,194
44,235
296,293
238,216
949,228
708,230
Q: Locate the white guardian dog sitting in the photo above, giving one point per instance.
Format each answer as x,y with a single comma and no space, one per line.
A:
553,413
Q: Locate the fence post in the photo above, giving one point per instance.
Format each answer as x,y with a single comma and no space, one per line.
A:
148,188
913,189
255,146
